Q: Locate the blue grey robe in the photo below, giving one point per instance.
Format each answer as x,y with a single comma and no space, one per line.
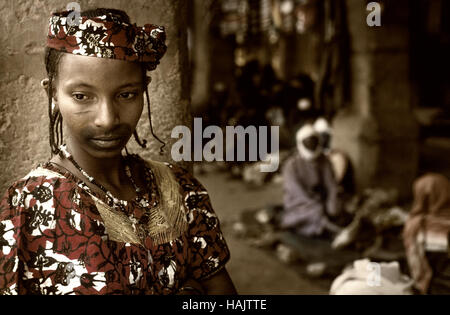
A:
310,195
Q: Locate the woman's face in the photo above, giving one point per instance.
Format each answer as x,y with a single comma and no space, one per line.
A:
101,101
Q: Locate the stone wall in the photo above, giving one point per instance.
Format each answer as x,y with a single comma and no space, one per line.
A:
378,131
23,103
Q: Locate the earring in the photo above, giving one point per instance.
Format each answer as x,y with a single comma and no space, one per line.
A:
53,104
44,83
142,143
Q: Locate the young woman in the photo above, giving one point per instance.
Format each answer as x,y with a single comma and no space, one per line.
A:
92,220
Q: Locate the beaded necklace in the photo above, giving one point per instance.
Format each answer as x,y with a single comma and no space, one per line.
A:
112,200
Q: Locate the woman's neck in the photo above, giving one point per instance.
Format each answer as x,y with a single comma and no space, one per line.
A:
108,171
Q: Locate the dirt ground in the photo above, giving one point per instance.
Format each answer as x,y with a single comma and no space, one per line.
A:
257,271
253,270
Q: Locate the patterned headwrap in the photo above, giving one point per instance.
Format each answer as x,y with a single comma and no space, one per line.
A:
106,36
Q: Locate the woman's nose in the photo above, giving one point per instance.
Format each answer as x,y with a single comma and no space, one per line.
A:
107,115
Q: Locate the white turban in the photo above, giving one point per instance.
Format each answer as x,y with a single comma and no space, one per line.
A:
304,133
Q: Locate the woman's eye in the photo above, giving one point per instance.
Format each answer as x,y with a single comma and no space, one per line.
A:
127,95
80,96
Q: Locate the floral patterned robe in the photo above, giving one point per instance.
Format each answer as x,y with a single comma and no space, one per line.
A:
53,240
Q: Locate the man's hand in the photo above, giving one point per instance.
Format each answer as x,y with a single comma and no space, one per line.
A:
331,227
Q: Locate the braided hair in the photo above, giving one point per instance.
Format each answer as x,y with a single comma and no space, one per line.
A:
52,58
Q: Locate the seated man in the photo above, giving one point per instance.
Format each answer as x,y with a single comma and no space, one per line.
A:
310,189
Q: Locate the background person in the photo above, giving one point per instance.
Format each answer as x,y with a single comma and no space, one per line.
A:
426,235
310,191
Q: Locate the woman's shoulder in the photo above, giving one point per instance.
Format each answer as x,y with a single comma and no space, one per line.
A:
37,176
39,184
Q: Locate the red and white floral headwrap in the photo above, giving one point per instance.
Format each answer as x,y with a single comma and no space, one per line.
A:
105,36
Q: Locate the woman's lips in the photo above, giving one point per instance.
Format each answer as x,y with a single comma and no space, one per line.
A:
107,143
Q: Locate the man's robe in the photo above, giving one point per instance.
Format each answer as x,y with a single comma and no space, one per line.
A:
310,195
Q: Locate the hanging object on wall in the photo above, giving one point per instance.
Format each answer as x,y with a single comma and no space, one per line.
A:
293,16
305,16
252,20
231,22
266,18
246,19
287,16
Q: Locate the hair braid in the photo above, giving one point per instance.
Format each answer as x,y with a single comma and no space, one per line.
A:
161,149
52,59
143,143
